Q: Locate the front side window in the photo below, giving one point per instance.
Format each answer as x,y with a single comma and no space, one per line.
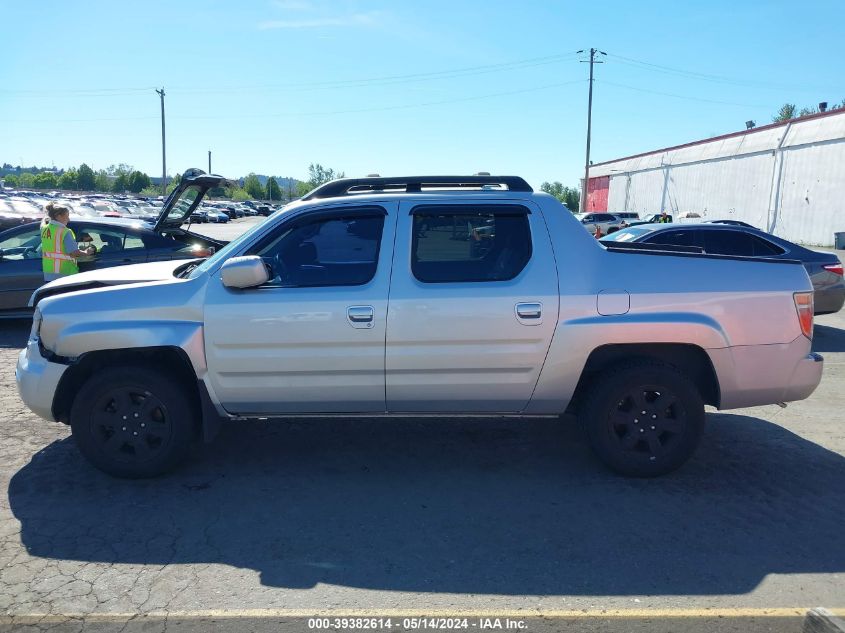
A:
103,240
340,250
462,244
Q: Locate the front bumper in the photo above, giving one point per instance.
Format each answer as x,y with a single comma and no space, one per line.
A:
38,380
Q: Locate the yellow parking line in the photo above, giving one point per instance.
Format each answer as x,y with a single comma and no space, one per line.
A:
418,613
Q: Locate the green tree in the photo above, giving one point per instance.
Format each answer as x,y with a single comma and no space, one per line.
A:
808,111
67,180
120,184
787,111
102,181
44,180
253,186
317,175
25,180
570,196
273,191
137,181
237,194
11,180
85,177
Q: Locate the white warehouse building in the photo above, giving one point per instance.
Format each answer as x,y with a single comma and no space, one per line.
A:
786,178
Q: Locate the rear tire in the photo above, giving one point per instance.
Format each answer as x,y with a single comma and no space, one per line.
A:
133,422
643,418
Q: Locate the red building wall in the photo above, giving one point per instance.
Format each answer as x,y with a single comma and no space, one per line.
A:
597,191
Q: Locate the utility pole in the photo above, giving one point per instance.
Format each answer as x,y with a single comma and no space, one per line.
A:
163,153
209,161
583,206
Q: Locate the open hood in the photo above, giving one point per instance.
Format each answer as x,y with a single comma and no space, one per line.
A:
187,196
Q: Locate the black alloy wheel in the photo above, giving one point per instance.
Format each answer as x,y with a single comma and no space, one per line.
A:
134,422
643,418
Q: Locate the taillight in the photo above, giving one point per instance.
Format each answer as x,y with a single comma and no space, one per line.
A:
836,268
804,306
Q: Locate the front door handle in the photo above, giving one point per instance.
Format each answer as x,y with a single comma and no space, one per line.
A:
360,316
529,313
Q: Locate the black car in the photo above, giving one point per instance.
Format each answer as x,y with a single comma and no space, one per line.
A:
825,269
117,242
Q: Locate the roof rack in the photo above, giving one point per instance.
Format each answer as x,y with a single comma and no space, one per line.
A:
414,184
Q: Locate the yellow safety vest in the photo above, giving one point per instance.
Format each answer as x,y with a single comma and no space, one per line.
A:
53,258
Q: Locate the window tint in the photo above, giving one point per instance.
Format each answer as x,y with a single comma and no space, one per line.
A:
674,238
765,248
728,242
333,251
483,245
22,245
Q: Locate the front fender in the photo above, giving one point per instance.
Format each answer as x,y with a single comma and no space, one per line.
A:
77,339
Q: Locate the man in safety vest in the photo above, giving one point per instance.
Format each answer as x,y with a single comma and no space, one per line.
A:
664,217
59,250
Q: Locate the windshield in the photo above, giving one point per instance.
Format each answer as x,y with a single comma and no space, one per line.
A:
625,235
224,252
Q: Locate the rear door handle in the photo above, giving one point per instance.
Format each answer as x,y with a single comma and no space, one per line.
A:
360,316
529,313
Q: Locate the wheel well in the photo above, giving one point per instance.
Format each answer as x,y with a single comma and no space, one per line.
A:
690,359
170,360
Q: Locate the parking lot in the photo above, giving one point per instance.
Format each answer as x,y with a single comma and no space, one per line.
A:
375,517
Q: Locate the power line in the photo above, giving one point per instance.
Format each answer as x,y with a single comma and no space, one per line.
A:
395,79
677,96
690,74
340,83
320,113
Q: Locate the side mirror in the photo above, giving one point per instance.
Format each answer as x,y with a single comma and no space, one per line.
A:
244,272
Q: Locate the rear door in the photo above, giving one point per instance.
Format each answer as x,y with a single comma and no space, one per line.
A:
473,306
114,246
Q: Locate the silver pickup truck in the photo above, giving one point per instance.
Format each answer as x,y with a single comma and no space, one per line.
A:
438,296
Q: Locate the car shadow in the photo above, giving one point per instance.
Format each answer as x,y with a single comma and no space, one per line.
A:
460,506
828,339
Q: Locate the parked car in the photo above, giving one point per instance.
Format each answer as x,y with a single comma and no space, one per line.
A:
651,218
264,210
117,242
292,318
216,216
825,269
606,221
627,216
199,216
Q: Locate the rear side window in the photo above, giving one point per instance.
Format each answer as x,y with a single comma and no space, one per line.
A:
463,244
727,242
674,238
765,248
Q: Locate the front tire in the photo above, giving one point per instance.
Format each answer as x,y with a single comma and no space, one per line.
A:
133,422
643,418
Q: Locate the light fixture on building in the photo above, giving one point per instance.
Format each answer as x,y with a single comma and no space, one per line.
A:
749,125
823,106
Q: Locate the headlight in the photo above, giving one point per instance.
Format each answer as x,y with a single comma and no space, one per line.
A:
35,332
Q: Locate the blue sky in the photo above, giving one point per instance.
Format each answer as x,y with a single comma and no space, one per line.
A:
399,88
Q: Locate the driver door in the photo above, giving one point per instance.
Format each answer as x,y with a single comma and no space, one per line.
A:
312,339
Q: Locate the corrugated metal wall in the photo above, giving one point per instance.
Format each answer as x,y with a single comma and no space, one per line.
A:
788,179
